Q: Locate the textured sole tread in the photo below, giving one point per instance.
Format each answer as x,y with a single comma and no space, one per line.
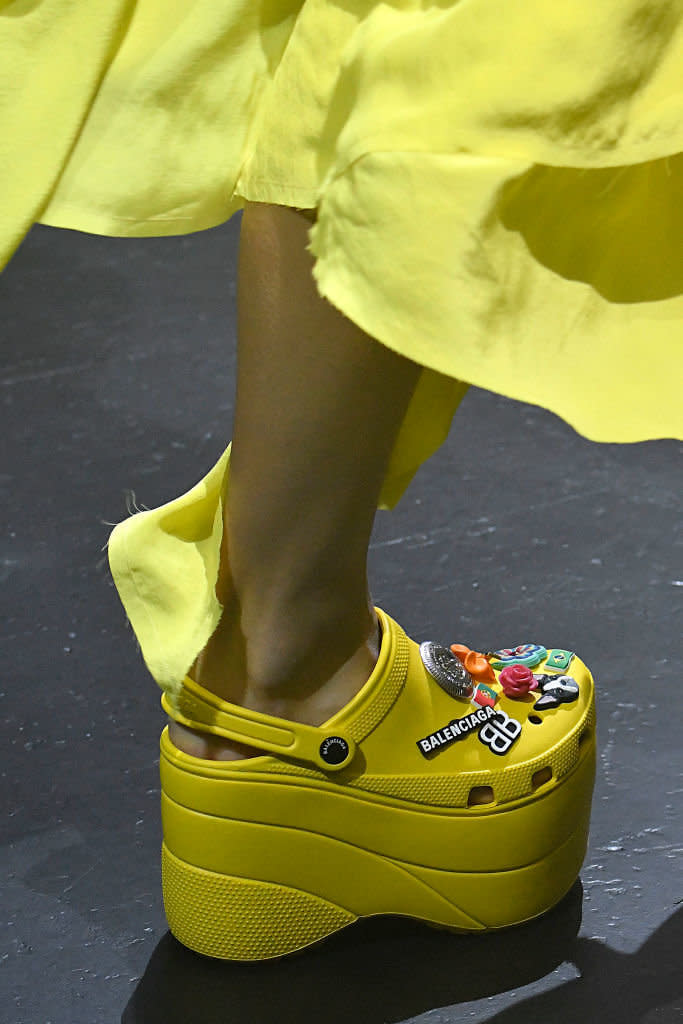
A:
233,918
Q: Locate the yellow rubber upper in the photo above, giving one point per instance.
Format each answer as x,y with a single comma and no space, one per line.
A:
198,708
399,704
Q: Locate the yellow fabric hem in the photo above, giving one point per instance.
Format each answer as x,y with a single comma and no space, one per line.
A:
70,217
582,316
164,563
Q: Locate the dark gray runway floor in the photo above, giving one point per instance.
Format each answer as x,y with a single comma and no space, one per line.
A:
117,377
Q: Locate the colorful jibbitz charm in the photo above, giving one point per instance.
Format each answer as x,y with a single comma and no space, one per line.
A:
484,695
556,690
449,672
517,681
500,733
525,654
476,664
559,659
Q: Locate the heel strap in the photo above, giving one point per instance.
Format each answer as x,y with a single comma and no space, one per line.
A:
198,708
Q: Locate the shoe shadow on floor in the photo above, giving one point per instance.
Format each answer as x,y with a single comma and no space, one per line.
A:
378,970
375,971
388,969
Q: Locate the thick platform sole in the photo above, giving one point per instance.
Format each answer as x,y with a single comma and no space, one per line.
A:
252,890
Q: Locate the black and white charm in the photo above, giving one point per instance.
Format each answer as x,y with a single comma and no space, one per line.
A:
500,733
495,729
446,669
556,690
456,730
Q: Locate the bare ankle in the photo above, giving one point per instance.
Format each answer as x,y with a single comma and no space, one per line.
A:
286,649
292,654
312,700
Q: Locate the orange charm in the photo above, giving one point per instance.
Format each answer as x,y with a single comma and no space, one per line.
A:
476,664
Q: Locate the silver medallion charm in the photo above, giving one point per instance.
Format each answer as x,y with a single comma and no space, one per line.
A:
449,671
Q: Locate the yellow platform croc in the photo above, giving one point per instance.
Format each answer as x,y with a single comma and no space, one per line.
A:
454,788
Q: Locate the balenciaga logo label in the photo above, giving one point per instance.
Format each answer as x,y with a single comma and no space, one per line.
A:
499,734
334,749
456,730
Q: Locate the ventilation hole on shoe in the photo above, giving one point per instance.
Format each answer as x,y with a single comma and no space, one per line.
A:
584,737
480,795
540,777
535,720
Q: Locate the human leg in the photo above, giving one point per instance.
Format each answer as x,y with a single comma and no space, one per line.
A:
390,805
318,407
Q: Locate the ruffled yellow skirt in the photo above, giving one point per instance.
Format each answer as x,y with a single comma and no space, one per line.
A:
499,188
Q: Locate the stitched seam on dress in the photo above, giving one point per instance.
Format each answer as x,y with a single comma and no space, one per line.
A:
151,220
521,160
375,144
463,152
280,184
251,141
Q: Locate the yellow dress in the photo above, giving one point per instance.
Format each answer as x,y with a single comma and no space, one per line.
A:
499,186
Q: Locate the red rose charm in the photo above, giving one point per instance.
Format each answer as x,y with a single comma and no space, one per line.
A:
517,681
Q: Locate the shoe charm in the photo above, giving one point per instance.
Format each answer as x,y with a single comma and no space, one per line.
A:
476,664
559,659
500,733
446,669
496,730
525,654
456,730
517,681
484,696
556,690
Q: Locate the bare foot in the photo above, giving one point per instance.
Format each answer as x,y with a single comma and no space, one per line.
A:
208,746
313,710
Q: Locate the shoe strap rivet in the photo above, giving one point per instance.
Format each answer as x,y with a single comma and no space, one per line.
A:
334,750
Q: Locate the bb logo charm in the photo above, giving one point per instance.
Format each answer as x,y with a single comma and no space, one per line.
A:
497,731
500,733
556,690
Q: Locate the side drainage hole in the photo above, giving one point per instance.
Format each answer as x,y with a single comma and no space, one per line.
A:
540,777
480,795
535,720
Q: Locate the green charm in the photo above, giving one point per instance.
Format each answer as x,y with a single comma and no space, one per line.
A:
559,659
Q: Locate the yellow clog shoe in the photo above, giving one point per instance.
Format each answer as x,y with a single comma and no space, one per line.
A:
454,788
